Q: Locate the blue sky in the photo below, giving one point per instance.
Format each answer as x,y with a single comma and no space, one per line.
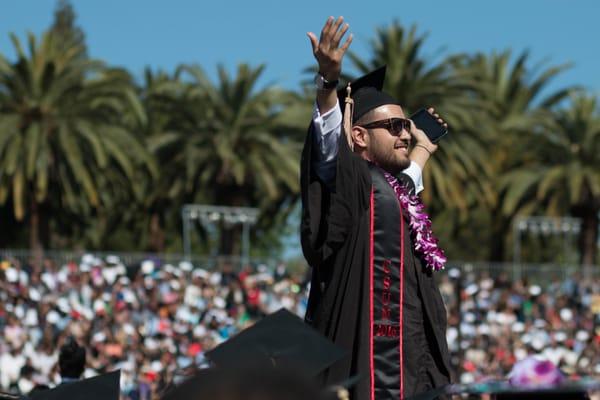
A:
162,34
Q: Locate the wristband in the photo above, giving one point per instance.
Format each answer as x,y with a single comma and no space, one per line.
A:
322,83
426,149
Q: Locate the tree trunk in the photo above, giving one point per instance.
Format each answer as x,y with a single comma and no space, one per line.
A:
157,234
588,238
35,244
500,227
230,240
9,226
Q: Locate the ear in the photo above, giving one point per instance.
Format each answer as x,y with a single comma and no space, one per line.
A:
360,137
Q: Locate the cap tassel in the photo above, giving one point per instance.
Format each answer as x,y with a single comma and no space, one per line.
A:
348,112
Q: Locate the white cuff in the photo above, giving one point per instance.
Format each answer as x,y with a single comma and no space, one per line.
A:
328,121
328,127
416,174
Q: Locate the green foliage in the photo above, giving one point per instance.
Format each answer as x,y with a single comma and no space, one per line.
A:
510,102
65,29
235,143
62,141
239,149
563,171
90,158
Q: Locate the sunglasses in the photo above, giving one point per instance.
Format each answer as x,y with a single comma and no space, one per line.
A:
394,125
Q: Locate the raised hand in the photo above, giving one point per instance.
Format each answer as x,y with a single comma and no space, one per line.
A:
327,49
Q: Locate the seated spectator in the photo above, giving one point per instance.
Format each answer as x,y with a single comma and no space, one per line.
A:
71,361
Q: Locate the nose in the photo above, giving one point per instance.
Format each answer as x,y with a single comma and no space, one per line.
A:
405,135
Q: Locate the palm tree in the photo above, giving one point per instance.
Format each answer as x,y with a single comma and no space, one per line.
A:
162,96
411,77
563,176
63,144
512,102
237,145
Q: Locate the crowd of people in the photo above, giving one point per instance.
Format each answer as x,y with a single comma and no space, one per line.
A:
502,321
151,320
155,321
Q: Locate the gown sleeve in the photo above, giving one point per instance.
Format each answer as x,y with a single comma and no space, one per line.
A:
330,211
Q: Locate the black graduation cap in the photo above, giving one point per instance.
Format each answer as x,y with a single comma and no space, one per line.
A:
366,93
246,383
502,390
280,340
101,387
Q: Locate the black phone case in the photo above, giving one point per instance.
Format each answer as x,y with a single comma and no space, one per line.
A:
428,124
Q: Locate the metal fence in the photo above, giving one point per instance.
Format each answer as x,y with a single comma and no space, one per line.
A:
538,273
62,257
533,273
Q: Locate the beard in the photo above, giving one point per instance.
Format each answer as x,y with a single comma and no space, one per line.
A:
388,157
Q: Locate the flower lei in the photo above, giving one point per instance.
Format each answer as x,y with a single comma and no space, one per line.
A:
426,245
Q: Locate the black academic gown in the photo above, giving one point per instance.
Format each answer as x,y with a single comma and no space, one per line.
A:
388,314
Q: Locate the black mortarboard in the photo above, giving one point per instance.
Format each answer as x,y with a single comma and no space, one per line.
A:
367,94
101,387
502,390
246,383
278,340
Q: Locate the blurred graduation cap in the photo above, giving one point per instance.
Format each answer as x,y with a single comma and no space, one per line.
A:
101,387
246,383
361,96
502,390
280,340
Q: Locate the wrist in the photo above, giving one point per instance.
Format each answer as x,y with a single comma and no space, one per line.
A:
324,83
329,75
429,149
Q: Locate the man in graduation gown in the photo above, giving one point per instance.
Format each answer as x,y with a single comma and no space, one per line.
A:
371,291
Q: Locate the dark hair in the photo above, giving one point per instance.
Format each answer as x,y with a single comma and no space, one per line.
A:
39,388
71,360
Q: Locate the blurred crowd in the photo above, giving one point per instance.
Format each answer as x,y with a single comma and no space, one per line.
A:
151,320
155,321
502,321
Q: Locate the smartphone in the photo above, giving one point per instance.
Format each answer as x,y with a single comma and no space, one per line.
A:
428,124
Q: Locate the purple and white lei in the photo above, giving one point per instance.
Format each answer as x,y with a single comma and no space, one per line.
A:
426,245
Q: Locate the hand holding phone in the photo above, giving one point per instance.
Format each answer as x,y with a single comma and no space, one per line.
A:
429,124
